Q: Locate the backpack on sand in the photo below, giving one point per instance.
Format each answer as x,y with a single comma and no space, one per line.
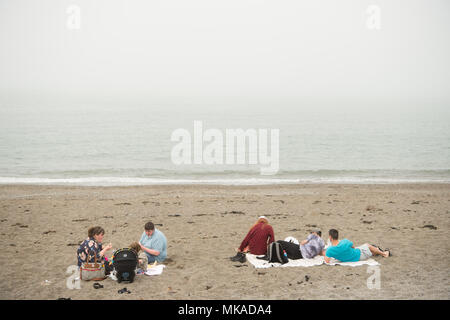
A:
276,253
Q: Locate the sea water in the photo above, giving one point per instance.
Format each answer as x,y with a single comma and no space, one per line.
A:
131,145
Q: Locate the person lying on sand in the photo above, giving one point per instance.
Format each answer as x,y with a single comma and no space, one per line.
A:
307,249
92,247
154,243
256,241
345,251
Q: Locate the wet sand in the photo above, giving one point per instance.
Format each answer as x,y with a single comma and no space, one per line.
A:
41,227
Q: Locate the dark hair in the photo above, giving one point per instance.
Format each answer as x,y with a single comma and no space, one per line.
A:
319,233
334,234
149,226
95,231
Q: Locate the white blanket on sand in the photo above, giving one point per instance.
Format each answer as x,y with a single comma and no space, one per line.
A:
316,261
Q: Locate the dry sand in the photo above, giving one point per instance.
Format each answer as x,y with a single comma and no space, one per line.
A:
41,227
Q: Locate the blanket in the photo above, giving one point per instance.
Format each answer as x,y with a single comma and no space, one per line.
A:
316,261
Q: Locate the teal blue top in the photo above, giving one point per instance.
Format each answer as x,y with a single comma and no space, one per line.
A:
344,252
157,241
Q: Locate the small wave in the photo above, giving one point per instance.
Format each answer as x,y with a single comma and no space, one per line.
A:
117,181
134,181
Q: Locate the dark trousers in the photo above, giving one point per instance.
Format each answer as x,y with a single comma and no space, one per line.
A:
292,249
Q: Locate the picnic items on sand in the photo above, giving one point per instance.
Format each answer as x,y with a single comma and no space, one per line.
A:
154,269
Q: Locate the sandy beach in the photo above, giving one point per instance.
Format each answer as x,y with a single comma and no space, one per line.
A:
41,227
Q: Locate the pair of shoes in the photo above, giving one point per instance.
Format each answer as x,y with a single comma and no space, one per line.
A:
265,257
240,257
123,291
236,257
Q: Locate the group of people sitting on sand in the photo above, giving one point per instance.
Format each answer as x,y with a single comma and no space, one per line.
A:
151,247
261,235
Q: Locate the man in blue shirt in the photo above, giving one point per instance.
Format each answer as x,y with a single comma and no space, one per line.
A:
345,251
154,243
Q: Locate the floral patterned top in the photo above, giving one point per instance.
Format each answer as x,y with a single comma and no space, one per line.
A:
89,247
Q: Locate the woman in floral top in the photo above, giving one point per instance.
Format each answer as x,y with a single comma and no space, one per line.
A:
92,247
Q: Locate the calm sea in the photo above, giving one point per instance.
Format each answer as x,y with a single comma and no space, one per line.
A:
132,145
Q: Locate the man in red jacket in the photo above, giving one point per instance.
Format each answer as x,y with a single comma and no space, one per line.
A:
256,240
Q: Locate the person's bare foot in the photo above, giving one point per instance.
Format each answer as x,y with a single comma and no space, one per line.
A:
385,254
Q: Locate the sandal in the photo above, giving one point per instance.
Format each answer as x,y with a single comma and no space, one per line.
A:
123,291
97,285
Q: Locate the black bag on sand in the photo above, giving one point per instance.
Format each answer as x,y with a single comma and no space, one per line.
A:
292,249
275,253
125,262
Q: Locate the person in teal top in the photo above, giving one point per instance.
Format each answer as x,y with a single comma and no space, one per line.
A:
345,251
154,243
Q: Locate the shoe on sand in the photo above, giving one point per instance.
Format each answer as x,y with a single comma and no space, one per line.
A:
235,258
242,258
239,257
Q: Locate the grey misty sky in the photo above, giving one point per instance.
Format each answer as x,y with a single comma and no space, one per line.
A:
207,52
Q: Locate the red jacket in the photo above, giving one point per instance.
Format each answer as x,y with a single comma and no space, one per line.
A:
258,238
